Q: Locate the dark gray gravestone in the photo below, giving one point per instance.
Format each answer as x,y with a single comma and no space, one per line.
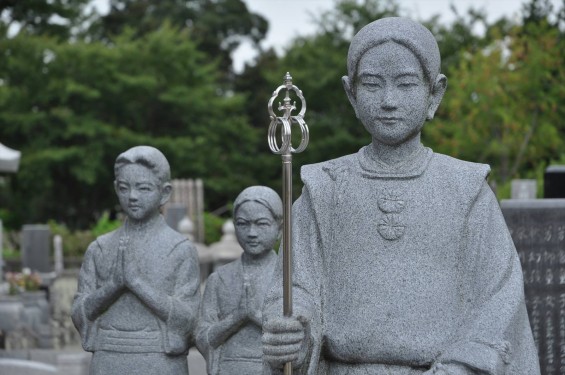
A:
537,227
554,182
36,247
174,213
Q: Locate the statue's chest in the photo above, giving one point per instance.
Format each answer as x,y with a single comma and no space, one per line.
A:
149,260
406,216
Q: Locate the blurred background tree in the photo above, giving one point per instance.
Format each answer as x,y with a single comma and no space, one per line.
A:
77,88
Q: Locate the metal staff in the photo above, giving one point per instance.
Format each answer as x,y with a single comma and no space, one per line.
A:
286,150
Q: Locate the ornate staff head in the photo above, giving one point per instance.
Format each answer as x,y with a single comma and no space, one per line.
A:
287,120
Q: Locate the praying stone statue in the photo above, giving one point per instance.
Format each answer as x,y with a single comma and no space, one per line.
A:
138,292
229,331
402,261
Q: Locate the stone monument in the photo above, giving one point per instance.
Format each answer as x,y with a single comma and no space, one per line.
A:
402,261
538,230
138,292
229,331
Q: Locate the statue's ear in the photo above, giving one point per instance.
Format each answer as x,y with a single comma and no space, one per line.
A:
166,191
347,86
438,89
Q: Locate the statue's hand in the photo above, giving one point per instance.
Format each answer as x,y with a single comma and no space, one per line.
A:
130,268
239,313
118,271
284,340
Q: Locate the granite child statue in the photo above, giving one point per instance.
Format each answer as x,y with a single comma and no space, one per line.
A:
138,293
402,260
229,331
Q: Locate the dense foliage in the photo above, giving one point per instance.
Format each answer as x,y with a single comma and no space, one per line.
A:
77,88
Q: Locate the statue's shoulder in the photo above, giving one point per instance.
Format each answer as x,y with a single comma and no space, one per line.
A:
330,170
106,240
230,272
460,168
465,177
168,234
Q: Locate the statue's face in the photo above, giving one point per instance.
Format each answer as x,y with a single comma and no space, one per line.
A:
392,95
139,192
256,229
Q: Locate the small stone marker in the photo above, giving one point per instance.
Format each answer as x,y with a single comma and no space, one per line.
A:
58,251
538,230
524,189
35,247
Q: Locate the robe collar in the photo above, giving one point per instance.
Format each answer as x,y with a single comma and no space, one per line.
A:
413,166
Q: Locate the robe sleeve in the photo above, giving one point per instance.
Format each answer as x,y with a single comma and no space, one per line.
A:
496,337
307,282
184,302
86,285
209,316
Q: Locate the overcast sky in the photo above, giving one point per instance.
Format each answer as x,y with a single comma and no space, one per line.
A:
290,18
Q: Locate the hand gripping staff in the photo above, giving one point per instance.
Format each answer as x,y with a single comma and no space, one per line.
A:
286,150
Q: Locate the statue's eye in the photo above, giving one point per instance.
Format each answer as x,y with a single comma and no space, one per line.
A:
371,84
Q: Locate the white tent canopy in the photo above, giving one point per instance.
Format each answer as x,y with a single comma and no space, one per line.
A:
9,159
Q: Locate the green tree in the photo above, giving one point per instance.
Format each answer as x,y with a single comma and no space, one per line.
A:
218,26
40,17
71,108
503,105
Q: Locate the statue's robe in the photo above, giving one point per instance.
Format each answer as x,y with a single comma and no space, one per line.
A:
242,352
128,336
405,269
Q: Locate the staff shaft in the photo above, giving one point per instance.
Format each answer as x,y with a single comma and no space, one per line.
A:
287,242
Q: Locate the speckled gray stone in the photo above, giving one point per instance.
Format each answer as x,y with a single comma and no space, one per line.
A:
138,292
403,263
229,331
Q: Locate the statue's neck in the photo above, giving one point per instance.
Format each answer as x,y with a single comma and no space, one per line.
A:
397,154
141,225
255,260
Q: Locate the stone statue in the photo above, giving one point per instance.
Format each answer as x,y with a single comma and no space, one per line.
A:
403,263
138,292
229,331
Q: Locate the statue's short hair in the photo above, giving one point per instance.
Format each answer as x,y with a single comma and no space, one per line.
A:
263,195
403,31
147,156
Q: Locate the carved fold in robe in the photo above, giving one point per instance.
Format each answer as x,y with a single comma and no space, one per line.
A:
169,263
404,269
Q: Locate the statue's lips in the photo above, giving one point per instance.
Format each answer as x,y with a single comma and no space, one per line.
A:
389,120
134,208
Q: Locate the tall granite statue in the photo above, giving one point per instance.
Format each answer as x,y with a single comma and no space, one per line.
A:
229,331
138,294
403,263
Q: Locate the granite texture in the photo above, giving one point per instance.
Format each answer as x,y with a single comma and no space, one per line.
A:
402,261
229,331
138,291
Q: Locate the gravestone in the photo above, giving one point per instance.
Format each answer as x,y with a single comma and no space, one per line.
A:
174,213
524,189
58,253
1,256
36,247
554,182
538,230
